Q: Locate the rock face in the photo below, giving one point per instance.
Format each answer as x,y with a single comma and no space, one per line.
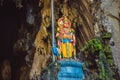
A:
6,70
42,42
111,8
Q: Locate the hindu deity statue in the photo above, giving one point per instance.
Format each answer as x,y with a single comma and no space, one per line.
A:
65,38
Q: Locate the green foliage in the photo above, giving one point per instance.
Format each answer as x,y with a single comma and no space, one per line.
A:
107,49
106,35
105,64
93,45
102,59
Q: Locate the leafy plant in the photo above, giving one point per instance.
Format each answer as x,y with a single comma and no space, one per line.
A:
93,45
104,62
106,35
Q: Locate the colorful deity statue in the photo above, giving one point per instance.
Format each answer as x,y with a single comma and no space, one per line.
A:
65,38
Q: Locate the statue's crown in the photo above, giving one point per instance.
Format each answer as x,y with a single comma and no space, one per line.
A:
64,20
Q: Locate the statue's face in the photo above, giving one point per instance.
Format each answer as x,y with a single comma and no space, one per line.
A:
66,24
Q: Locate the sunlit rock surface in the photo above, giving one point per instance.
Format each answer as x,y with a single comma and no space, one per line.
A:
111,7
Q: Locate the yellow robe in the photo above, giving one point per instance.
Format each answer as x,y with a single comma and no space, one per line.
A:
66,50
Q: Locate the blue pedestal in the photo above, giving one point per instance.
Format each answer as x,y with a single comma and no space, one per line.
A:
70,70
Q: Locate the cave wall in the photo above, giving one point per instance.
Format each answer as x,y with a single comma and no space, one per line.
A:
112,7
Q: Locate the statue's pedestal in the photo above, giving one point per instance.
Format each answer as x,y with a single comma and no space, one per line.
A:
70,70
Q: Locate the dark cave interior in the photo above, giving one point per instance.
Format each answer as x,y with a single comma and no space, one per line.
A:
11,18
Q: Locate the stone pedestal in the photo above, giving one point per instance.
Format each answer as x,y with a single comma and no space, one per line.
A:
70,70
